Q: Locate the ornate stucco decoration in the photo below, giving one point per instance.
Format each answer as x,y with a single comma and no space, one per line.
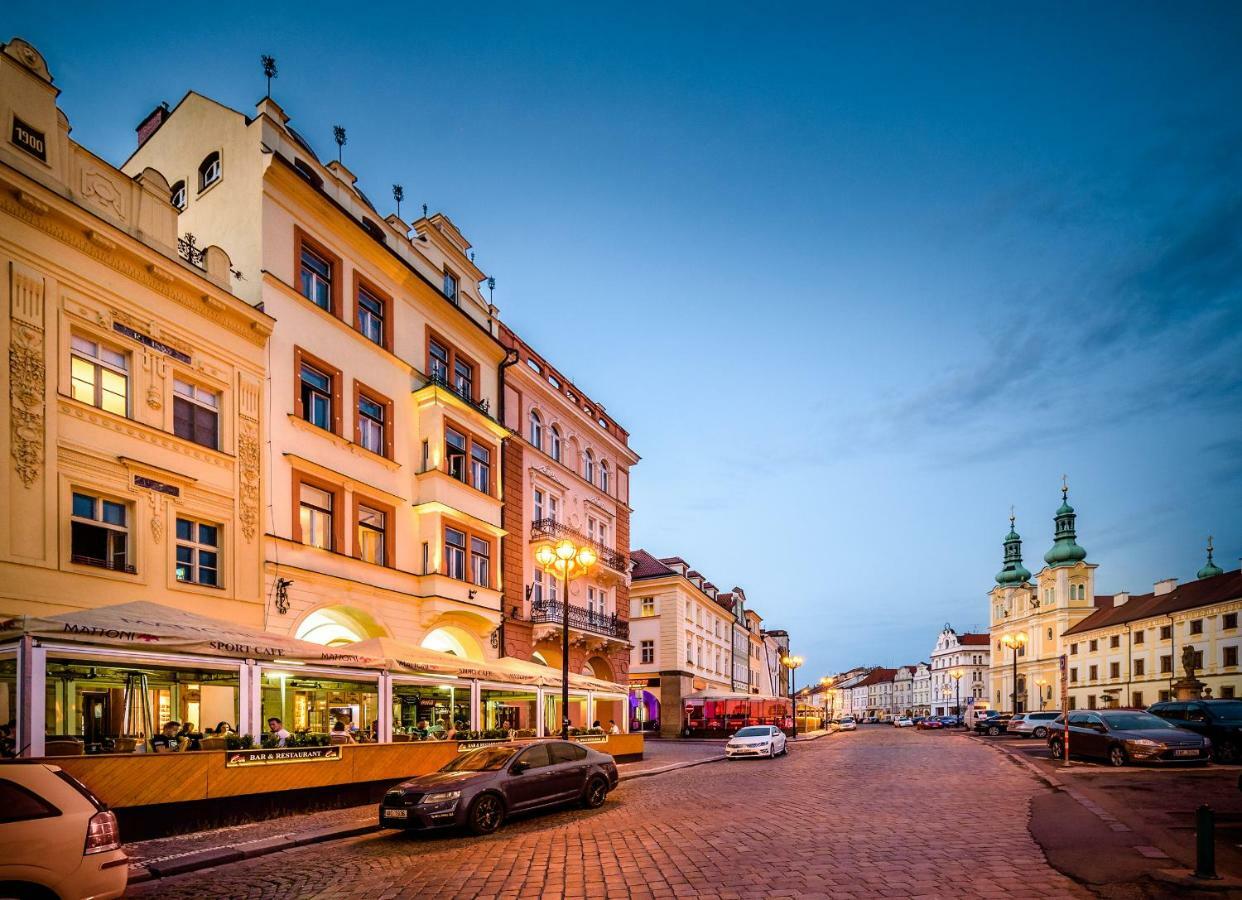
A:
27,374
248,494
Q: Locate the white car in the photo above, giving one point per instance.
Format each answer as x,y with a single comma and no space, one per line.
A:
756,740
903,722
58,840
848,723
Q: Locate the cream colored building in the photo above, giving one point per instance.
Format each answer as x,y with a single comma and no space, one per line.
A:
133,418
383,460
967,654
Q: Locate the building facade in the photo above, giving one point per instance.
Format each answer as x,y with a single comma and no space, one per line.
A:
384,472
968,654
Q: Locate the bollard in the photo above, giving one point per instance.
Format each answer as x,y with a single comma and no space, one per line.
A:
1205,842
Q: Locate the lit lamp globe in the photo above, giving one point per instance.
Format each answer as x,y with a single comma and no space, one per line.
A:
565,550
587,557
545,556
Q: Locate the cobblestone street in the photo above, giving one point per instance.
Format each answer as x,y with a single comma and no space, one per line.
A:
880,812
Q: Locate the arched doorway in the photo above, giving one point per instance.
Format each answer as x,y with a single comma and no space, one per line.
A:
598,667
644,711
539,658
335,626
454,640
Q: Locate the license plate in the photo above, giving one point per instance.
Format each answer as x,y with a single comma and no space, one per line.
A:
1185,752
396,814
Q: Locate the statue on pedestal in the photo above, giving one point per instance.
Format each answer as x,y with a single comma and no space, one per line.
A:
1188,687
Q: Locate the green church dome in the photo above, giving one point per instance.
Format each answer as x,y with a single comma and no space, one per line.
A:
1210,569
1013,573
1065,550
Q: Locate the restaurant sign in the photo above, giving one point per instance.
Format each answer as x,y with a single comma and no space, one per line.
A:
281,755
463,746
592,739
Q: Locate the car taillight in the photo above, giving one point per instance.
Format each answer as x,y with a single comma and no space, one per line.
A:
102,833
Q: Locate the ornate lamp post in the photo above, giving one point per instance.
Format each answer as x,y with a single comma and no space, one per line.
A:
956,675
1014,642
1041,683
793,663
565,560
826,683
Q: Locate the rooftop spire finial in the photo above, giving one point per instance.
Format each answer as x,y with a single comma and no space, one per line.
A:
1011,517
1064,486
1210,569
269,71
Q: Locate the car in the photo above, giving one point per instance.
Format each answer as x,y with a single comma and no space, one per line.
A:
848,723
1122,736
757,740
992,725
58,839
903,722
1034,724
931,722
480,788
1218,720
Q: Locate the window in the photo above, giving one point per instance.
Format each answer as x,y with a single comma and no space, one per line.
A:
1091,701
305,170
372,535
1049,634
536,430
99,375
455,553
1166,632
1073,673
480,562
1227,692
1139,637
196,414
538,501
1196,626
198,552
536,589
554,444
480,468
1136,699
1164,696
1073,703
647,652
316,396
588,466
372,428
438,357
647,606
554,507
468,460
1140,667
1114,670
1093,672
17,804
371,309
209,171
604,479
177,196
1231,656
1198,660
99,533
1166,663
1115,641
1229,621
315,514
450,285
316,279
447,366
1073,649
1093,646
463,378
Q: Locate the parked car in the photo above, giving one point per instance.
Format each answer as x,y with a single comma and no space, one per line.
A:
480,787
950,721
58,839
993,725
931,722
757,740
1122,736
903,722
848,723
1034,724
1218,720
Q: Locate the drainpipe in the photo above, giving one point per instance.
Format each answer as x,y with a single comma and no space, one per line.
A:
1172,652
511,357
1130,660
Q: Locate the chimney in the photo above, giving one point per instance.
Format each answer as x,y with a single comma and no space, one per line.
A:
152,123
1120,599
1166,586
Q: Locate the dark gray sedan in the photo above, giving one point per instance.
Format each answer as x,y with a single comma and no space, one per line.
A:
1122,736
481,787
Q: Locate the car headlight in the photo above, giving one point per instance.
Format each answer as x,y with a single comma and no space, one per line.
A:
441,797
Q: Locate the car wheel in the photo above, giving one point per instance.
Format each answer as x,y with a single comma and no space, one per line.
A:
1057,748
486,814
595,794
1225,752
993,730
1041,732
1116,756
20,890
785,749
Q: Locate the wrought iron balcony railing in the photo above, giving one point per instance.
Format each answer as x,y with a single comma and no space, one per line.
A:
550,529
483,406
552,612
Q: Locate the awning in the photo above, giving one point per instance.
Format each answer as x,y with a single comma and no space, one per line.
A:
707,694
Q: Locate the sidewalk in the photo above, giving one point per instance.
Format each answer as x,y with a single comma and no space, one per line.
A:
162,857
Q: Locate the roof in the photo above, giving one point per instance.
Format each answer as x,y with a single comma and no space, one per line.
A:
644,565
1204,592
974,640
878,676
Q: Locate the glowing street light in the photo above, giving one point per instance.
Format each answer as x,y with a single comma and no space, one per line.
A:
793,663
1014,642
565,560
956,675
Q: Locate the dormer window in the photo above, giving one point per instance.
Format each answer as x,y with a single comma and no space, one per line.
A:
450,285
305,170
209,171
177,196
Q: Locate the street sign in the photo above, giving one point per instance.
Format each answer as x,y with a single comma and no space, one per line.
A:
1065,706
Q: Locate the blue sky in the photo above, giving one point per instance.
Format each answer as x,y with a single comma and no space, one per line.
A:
854,283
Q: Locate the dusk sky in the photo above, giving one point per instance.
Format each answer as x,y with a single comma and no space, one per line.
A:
854,282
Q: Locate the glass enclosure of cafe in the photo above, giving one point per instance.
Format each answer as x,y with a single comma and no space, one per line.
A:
317,700
712,717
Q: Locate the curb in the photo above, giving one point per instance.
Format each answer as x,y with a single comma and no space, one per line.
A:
671,767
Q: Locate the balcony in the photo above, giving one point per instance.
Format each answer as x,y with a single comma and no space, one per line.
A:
439,380
550,612
551,529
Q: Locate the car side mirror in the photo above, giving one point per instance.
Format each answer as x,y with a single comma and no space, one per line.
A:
519,767
1100,727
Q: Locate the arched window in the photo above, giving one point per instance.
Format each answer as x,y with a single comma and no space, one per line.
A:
177,196
556,443
604,477
588,466
536,430
209,171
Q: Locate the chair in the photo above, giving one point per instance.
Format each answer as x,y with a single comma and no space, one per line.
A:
64,748
219,742
399,738
125,745
339,739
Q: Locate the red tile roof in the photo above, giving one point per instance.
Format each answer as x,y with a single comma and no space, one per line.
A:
974,640
878,676
644,565
1204,592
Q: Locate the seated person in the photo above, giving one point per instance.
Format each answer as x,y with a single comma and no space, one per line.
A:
167,740
189,736
421,728
340,735
613,728
277,729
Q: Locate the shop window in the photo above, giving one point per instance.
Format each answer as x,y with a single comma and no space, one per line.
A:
424,709
177,196
372,535
99,375
196,414
455,553
509,710
371,316
198,552
209,171
317,514
316,704
99,533
647,652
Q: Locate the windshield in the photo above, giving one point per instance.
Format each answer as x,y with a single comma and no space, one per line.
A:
485,759
1136,721
848,719
754,732
1225,709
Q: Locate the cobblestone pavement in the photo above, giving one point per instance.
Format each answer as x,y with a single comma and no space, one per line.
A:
877,813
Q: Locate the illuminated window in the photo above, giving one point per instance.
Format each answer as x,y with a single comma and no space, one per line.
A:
371,316
315,511
99,375
372,526
455,553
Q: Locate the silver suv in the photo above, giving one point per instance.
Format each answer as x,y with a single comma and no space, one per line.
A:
1032,724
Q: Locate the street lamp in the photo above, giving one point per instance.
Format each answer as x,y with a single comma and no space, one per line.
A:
956,675
825,683
566,560
793,663
1041,683
1014,642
